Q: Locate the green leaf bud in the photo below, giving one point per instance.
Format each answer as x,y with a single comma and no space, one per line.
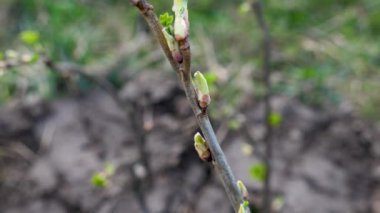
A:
201,147
173,46
181,22
201,86
243,189
242,208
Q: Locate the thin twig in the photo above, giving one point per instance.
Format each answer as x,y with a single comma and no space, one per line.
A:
266,50
184,71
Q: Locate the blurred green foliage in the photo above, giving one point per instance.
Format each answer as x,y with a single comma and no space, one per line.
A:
101,179
258,172
29,37
323,51
275,119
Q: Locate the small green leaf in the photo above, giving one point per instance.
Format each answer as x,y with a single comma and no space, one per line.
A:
1,56
275,119
29,37
258,172
99,180
166,20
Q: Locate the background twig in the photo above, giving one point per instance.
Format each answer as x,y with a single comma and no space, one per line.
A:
266,51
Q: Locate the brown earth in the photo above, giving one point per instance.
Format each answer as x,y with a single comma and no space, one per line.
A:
324,161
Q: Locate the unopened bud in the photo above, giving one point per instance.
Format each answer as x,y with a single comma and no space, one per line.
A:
243,190
244,207
181,23
180,29
201,86
241,209
173,46
201,147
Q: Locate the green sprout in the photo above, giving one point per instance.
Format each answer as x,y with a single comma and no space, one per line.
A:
166,20
201,86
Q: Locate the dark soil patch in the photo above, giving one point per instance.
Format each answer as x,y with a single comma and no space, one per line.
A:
323,161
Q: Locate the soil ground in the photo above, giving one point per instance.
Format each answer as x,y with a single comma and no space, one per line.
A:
324,161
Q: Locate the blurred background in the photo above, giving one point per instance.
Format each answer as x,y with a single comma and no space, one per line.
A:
93,119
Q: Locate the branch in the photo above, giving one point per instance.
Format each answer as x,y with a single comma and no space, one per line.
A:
266,51
183,69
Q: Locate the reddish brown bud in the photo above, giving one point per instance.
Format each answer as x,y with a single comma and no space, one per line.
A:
204,101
